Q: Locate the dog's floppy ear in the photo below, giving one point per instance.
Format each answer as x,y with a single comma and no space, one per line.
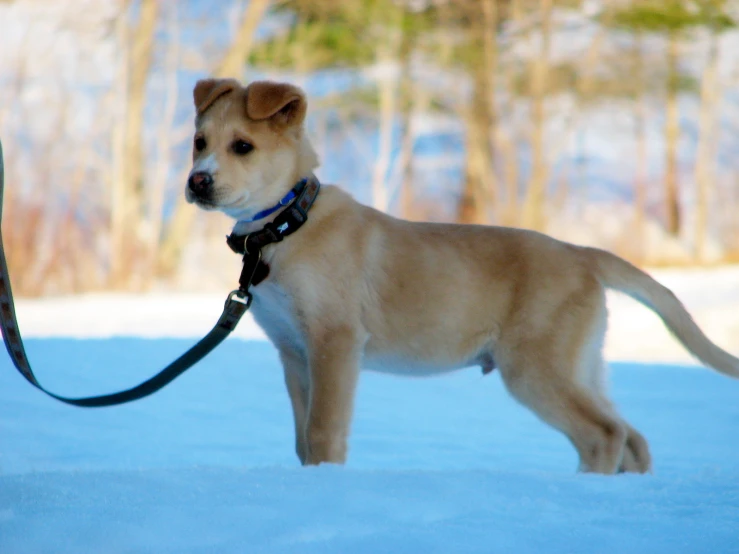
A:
208,91
283,103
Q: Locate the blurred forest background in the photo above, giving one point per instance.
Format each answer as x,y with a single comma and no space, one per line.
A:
612,123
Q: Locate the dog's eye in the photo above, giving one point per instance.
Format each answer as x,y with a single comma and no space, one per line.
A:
241,147
200,144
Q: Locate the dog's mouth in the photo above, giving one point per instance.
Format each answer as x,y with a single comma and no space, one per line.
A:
205,202
202,201
198,201
214,202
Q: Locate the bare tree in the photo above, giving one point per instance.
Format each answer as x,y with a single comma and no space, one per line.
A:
128,181
642,155
672,137
231,65
388,53
479,116
168,136
533,213
704,163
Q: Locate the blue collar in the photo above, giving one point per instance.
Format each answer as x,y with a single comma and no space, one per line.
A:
289,197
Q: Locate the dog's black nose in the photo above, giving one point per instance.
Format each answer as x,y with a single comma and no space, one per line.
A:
200,183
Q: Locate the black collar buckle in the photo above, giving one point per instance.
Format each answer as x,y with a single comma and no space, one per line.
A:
286,223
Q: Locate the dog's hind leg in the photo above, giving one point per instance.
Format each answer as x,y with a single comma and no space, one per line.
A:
637,458
593,374
598,436
540,360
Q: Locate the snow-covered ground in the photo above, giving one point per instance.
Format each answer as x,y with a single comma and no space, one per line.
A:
449,464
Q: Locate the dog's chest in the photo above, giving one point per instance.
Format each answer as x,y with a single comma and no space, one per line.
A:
273,310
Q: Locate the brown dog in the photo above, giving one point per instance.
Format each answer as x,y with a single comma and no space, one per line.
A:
355,287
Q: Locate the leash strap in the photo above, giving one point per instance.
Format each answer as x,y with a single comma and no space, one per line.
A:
237,304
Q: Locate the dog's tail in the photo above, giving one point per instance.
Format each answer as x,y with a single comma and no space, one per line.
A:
618,274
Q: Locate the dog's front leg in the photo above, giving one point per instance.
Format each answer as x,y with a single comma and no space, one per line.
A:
295,367
334,367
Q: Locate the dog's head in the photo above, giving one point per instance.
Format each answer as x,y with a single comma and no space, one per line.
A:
249,148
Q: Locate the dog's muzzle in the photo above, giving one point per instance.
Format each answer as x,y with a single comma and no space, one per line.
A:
200,184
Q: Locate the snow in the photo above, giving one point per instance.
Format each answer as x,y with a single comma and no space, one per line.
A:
448,464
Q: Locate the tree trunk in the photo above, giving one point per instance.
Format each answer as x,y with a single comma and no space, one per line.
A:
508,149
508,145
129,187
585,90
176,234
140,66
392,53
415,101
388,97
407,193
479,192
534,214
672,137
118,177
233,62
166,142
704,163
642,160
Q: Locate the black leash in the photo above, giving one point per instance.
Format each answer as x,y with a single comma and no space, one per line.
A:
237,303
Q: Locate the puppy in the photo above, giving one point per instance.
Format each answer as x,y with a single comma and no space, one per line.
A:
355,287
